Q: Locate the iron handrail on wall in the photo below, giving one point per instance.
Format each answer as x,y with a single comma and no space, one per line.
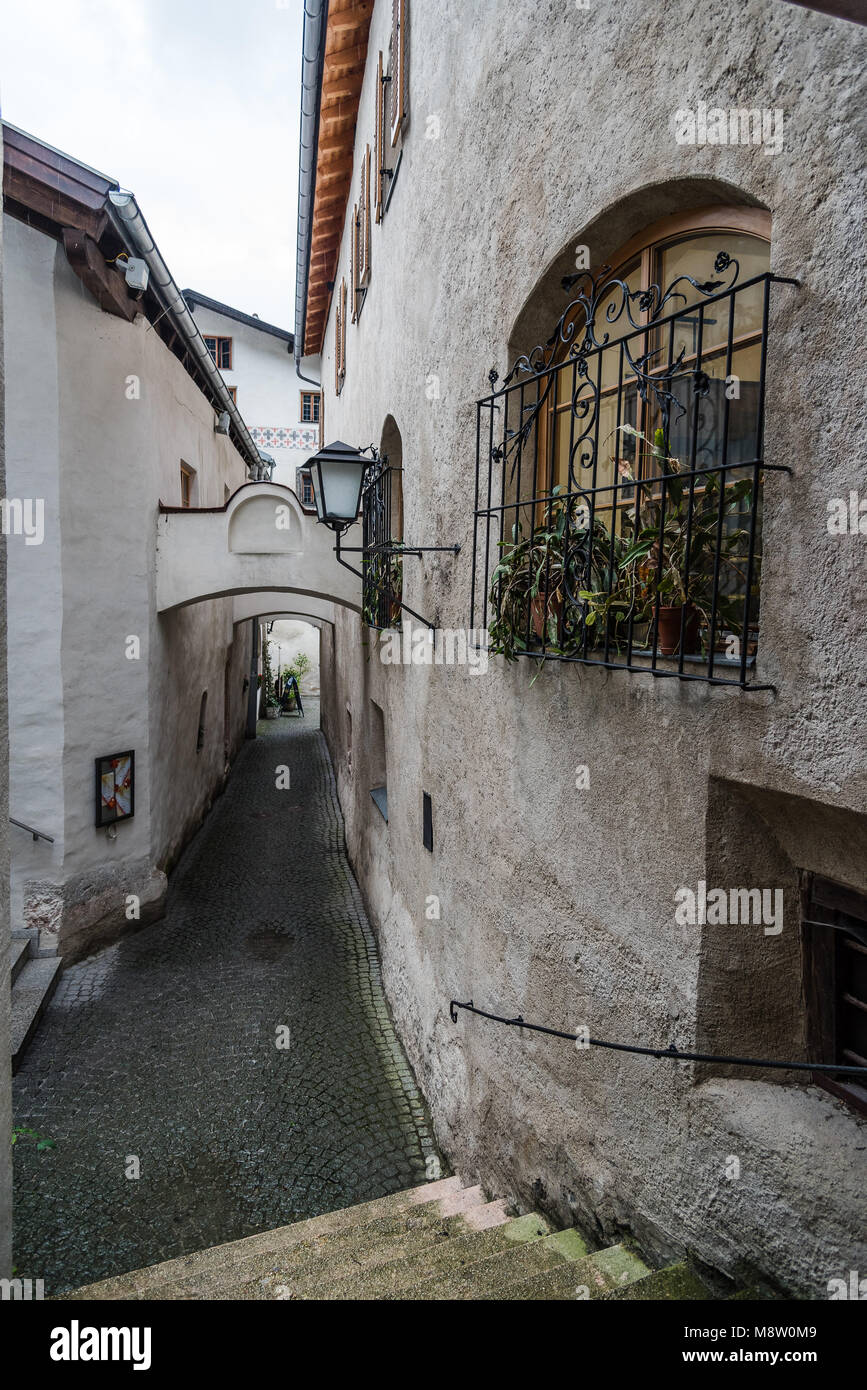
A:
670,1053
619,482
37,834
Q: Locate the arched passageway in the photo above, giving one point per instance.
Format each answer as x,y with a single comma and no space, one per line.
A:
259,540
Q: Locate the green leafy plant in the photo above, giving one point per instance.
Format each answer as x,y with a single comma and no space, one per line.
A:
383,582
268,677
299,667
42,1144
537,573
617,580
672,556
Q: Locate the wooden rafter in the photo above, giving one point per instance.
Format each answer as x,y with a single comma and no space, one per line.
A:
346,39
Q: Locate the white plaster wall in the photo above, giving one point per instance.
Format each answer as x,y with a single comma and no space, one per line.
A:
556,128
269,392
34,591
107,457
5,1040
243,548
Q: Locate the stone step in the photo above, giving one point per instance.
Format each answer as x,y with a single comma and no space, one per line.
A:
594,1276
674,1282
33,988
19,953
443,1253
31,934
147,1282
441,1241
316,1268
488,1278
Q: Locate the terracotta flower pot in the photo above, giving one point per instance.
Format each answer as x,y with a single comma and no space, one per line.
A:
669,629
537,615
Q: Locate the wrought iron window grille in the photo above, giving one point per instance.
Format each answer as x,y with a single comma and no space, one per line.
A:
618,490
382,553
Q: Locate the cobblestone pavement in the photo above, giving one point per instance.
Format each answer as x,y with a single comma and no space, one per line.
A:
164,1047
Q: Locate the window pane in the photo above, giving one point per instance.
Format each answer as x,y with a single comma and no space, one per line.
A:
695,256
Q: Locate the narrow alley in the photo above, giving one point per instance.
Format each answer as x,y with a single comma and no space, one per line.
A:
164,1047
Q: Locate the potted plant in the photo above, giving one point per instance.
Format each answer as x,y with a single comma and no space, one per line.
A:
540,578
383,588
270,703
654,568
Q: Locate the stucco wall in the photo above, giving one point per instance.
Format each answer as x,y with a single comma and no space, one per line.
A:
101,415
556,127
36,712
5,1044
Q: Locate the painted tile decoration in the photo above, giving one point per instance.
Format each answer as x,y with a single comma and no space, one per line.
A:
284,437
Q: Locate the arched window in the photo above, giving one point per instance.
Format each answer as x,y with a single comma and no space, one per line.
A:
619,475
382,532
682,246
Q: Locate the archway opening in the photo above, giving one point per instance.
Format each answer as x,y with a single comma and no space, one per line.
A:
289,681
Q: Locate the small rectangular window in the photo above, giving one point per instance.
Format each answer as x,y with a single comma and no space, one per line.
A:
220,350
187,479
376,760
835,984
200,733
233,392
427,821
310,407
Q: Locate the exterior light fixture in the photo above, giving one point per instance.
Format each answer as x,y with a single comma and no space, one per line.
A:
337,473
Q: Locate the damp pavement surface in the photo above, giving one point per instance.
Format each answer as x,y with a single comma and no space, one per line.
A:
164,1047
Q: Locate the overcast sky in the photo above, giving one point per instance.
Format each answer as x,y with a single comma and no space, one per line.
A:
191,104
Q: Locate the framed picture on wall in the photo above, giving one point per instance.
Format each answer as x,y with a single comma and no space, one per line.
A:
115,788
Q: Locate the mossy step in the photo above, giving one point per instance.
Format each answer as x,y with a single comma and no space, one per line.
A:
487,1278
151,1280
302,1267
675,1282
592,1277
440,1254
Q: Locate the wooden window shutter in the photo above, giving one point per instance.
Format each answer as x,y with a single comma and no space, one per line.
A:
337,328
398,66
364,221
343,334
379,142
339,340
353,263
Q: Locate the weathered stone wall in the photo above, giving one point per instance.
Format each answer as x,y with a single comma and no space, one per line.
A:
556,127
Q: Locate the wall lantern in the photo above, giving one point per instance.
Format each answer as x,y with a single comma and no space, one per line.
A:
337,473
